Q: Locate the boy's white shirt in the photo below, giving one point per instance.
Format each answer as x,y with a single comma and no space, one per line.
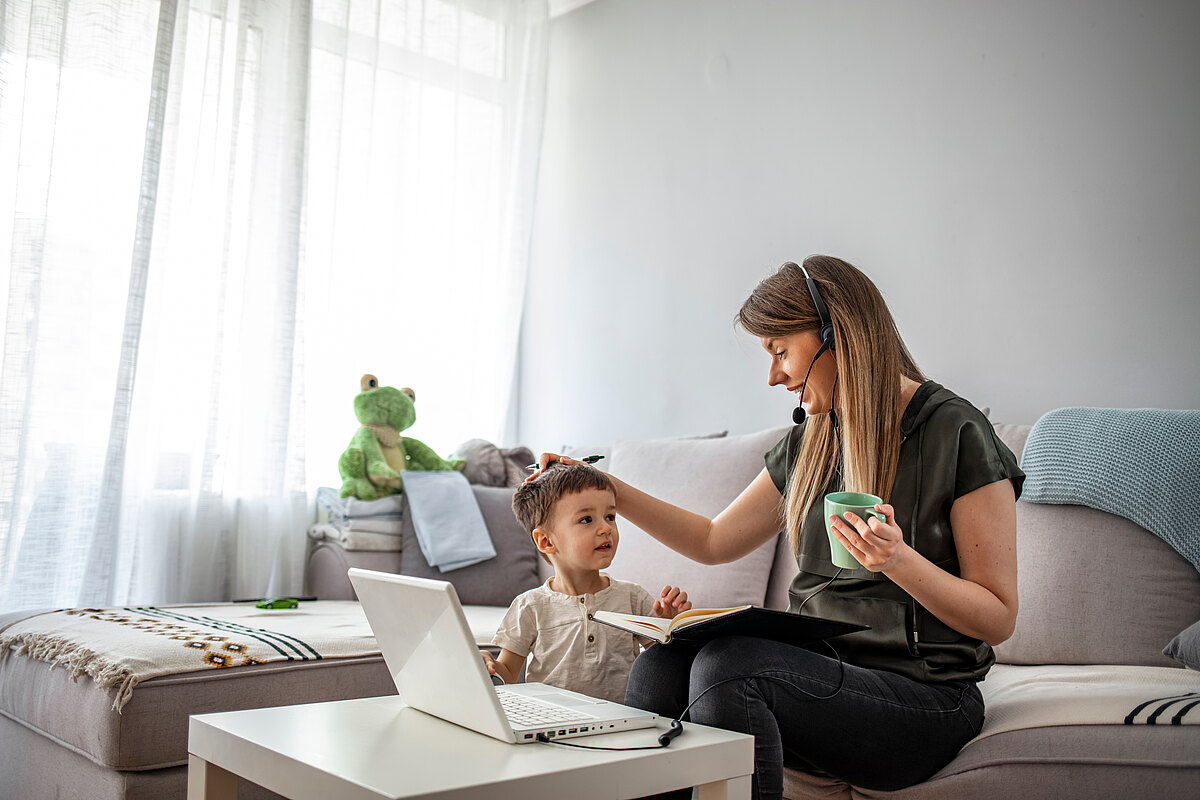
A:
552,631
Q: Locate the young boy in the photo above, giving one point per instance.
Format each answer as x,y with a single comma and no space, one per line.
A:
570,512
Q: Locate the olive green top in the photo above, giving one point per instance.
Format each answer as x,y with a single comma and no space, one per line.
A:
948,449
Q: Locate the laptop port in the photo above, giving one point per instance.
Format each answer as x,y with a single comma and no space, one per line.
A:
529,736
562,733
573,730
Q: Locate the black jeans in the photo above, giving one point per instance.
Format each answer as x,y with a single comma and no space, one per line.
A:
880,730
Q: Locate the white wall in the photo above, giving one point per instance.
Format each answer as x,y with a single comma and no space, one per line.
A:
1021,179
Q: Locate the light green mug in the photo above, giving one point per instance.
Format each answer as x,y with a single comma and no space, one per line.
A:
839,503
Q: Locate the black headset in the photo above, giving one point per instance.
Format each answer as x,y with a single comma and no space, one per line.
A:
825,334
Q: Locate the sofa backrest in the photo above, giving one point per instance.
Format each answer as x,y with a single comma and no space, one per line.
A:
1094,588
704,476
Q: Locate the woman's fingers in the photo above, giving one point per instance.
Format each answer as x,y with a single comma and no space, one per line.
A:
546,460
842,531
859,524
862,526
851,537
875,544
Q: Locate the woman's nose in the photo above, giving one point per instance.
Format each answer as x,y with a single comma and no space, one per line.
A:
774,374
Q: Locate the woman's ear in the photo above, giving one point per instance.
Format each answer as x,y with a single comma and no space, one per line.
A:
541,538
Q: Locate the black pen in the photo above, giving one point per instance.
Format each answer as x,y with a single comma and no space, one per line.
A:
585,459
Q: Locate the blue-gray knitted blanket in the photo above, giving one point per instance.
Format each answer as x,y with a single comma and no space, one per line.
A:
1142,464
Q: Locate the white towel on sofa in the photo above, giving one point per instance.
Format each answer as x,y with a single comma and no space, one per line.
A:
1019,697
353,539
345,511
447,520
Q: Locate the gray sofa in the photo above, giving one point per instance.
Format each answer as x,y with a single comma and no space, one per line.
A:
1100,597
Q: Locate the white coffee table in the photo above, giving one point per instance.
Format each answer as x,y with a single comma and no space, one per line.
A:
378,747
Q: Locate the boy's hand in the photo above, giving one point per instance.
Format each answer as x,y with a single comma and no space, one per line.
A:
506,668
671,601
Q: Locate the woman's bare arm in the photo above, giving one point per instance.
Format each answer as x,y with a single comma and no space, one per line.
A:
751,519
982,602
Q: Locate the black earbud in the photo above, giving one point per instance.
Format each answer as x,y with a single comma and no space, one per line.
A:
676,729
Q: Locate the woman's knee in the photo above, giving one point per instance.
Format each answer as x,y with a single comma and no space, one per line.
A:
731,657
658,681
721,683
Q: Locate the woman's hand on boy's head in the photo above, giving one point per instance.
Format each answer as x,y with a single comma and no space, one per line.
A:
671,602
546,460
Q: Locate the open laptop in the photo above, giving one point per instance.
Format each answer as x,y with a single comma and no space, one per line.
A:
436,666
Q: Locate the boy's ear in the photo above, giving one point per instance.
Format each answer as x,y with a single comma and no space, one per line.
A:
541,539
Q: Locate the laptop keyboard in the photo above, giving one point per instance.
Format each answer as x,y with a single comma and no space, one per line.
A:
526,712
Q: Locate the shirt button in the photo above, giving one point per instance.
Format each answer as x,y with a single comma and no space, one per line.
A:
591,637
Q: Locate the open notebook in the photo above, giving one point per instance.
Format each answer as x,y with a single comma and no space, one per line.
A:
702,624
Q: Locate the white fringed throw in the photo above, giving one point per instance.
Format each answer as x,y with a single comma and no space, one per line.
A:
121,647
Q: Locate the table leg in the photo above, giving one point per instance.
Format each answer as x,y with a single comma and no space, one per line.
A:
733,789
209,782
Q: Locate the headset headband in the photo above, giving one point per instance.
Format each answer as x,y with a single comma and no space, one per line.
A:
825,334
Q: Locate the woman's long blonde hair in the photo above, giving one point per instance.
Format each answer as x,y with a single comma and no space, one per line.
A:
871,358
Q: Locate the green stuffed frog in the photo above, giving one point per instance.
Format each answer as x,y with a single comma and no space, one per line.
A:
371,465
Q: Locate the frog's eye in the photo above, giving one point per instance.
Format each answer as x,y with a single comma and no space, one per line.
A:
411,394
368,382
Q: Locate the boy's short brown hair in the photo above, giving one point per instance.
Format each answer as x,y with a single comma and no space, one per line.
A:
534,500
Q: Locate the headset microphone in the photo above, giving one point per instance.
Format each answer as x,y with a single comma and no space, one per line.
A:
825,334
798,413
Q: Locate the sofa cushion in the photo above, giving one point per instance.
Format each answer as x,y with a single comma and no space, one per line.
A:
325,576
1185,647
701,475
1094,588
1070,761
493,582
1026,750
605,464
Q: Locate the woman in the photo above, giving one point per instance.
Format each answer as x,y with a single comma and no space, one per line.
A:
937,582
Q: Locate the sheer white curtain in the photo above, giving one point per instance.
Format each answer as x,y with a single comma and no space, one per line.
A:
201,254
424,129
